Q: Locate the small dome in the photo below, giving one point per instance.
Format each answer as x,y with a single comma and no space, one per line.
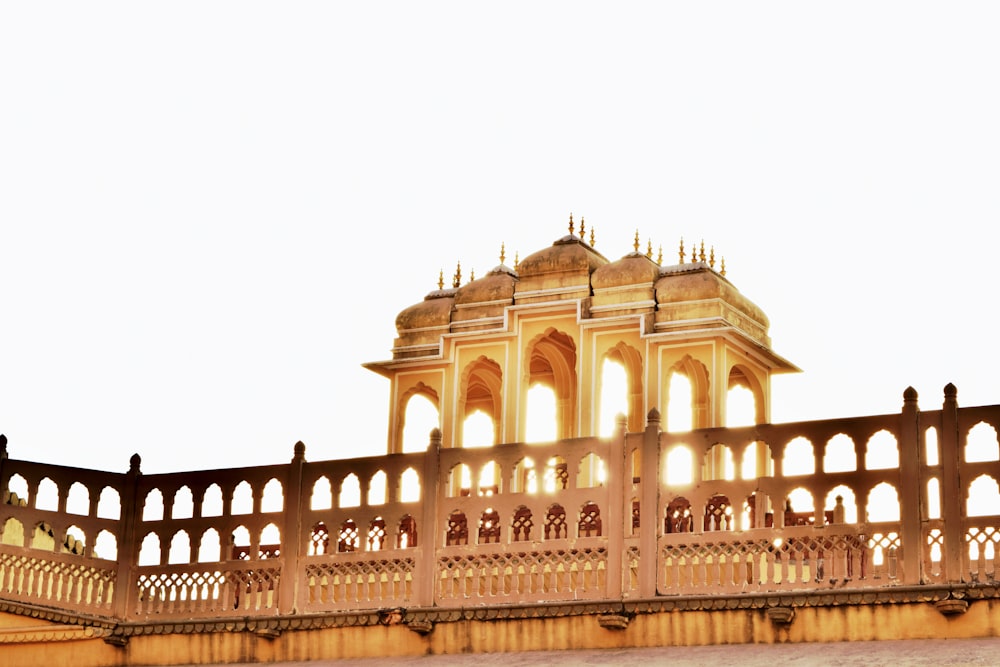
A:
433,311
568,254
497,285
698,283
632,269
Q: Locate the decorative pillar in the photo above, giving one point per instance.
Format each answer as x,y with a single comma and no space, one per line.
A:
128,548
951,488
649,528
619,497
292,535
427,530
911,459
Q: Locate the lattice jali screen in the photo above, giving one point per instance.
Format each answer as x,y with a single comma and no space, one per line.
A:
77,585
359,584
798,562
550,575
228,592
981,553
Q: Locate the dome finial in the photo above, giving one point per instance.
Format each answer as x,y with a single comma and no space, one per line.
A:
457,279
659,256
680,252
583,226
441,279
472,275
635,243
649,248
516,260
723,271
711,257
591,237
503,255
571,224
702,254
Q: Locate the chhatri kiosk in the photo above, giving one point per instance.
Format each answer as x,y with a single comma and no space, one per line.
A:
481,536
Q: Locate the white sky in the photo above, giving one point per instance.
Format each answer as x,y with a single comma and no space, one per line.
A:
211,212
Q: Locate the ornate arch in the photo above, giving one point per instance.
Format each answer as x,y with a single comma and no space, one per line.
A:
482,389
420,389
743,376
552,362
631,361
701,398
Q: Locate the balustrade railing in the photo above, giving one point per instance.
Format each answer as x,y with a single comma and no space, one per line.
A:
579,519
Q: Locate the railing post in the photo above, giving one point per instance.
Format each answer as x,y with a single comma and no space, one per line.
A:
951,490
291,541
427,533
649,527
128,549
617,502
911,464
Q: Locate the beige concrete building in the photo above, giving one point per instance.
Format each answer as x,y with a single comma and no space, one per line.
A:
530,519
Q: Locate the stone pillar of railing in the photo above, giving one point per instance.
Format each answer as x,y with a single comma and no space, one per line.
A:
649,519
128,547
618,500
911,459
951,489
292,539
427,531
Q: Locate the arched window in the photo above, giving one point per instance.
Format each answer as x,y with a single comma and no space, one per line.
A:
183,506
180,548
109,504
798,459
614,395
270,542
319,540
409,483
555,523
489,526
149,552
211,504
377,489
350,492
17,486
242,499
420,418
521,526
152,509
840,455
589,524
376,534
273,499
883,503
406,537
106,545
883,452
348,540
458,529
47,497
322,495
983,498
679,466
13,533
981,444
542,423
679,408
210,547
78,500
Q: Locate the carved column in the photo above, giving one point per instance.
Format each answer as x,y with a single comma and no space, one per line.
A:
619,497
911,460
649,528
951,488
427,530
292,580
128,548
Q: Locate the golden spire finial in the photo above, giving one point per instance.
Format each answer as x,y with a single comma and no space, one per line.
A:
591,237
583,226
456,281
680,252
571,224
659,256
502,253
635,243
702,257
711,257
516,260
649,248
441,279
723,271
472,275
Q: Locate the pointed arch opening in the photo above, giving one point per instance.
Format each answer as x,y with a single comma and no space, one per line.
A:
552,363
744,398
419,415
481,403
